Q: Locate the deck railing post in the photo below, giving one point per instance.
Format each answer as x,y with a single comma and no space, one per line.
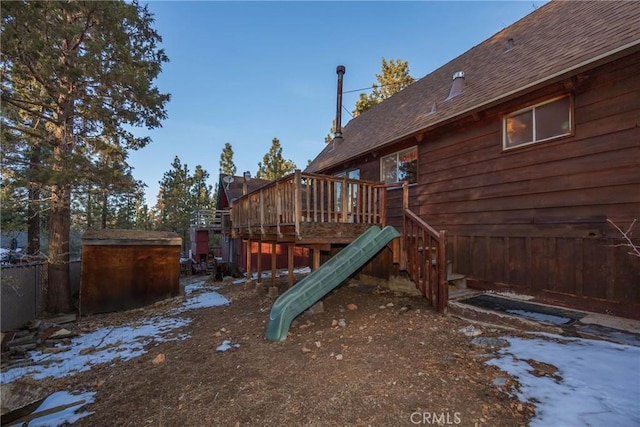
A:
405,206
278,209
443,288
261,212
383,206
344,199
297,214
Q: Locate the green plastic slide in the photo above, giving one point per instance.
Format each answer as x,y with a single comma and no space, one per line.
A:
326,278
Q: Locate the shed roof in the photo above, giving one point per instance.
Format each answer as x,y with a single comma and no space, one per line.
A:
557,40
130,237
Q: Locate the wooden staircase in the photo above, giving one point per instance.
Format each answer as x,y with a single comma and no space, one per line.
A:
424,257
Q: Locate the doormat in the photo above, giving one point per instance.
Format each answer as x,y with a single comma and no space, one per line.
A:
556,316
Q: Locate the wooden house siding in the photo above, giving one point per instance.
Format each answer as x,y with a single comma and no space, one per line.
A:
536,217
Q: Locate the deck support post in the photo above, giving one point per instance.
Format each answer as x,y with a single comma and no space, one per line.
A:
248,282
259,282
316,259
273,264
290,262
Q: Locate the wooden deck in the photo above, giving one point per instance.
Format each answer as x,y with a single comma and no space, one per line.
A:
309,209
319,211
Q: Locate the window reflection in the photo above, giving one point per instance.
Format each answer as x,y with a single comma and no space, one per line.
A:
540,122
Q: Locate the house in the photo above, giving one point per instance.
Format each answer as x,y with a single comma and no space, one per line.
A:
521,149
521,155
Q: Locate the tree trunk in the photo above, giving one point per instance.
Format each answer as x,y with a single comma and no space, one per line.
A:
59,288
33,221
59,291
33,204
104,210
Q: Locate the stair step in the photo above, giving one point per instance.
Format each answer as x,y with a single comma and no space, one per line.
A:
462,293
458,280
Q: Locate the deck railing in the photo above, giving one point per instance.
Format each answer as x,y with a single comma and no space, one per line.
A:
425,256
208,218
310,198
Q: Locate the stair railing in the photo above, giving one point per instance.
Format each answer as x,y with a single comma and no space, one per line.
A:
426,258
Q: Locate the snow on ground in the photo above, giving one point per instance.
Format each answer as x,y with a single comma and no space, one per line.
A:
101,346
68,415
106,345
597,382
279,273
226,345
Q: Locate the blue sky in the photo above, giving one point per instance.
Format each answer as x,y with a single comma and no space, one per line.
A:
247,72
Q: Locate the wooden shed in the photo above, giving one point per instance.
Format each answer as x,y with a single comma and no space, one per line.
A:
125,269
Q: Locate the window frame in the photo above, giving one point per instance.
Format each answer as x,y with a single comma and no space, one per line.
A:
398,154
532,108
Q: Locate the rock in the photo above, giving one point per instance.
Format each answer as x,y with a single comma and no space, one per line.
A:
318,344
352,307
489,342
159,359
470,331
390,305
339,357
316,308
305,349
342,323
334,323
382,307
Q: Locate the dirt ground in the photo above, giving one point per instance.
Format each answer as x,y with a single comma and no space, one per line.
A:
371,358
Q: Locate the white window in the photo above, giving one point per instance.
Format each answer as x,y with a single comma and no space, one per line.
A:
400,166
541,122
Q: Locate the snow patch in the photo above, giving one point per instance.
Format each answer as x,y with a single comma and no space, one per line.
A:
67,416
596,382
226,345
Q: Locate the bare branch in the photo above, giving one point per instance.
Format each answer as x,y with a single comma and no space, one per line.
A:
626,235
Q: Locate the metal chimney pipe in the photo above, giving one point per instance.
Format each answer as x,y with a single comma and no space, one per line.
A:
340,71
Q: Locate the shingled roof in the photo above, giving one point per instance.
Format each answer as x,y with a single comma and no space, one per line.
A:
232,190
557,40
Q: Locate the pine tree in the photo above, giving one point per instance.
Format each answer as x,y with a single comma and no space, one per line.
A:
227,166
84,72
200,190
273,165
174,201
394,77
180,195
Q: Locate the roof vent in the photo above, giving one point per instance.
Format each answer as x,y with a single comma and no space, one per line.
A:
457,87
509,44
247,175
433,109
